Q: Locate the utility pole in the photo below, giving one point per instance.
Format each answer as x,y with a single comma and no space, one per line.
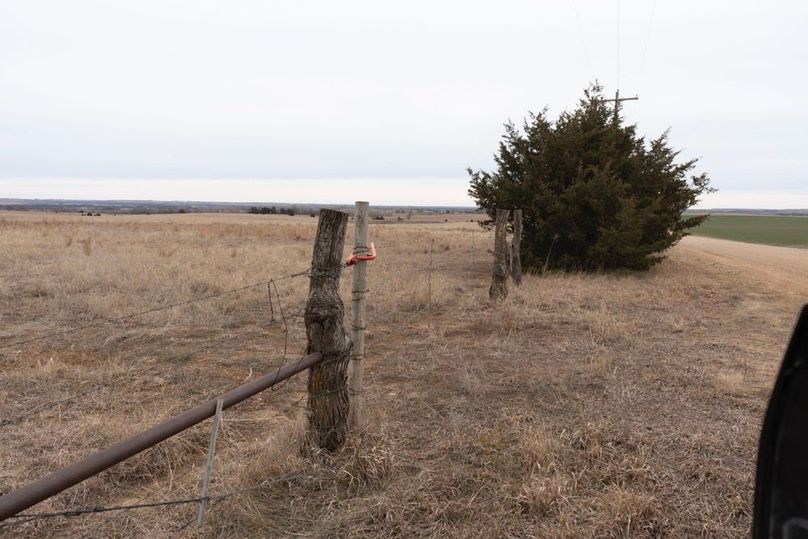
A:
617,100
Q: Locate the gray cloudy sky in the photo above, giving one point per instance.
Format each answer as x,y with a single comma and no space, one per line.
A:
332,101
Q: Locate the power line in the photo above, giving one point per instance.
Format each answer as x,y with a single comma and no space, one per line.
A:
645,48
618,44
583,41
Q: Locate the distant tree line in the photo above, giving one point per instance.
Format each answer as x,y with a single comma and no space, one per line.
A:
264,210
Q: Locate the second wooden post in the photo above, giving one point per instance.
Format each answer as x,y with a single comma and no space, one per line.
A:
499,279
358,294
328,392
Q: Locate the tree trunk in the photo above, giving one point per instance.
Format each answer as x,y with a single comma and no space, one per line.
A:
499,279
327,386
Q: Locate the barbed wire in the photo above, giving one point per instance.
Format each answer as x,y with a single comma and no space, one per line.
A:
160,308
284,319
48,405
23,518
208,344
310,272
27,517
217,340
272,284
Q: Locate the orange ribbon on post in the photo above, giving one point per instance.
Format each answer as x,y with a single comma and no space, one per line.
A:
354,258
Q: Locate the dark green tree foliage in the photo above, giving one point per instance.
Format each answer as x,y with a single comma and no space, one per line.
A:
594,194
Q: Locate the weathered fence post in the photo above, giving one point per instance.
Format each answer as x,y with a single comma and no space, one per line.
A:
499,280
358,294
516,243
328,390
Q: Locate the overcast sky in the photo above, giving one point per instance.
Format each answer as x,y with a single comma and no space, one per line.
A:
327,101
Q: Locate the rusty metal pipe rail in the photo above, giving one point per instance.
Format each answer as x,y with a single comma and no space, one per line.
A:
54,483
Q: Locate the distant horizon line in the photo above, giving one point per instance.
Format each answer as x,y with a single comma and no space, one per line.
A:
76,201
9,201
400,192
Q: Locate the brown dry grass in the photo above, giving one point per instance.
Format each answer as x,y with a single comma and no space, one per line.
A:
584,405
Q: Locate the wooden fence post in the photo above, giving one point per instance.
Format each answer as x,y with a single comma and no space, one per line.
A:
358,323
516,245
328,390
499,280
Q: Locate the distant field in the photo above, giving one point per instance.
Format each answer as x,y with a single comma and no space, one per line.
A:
768,229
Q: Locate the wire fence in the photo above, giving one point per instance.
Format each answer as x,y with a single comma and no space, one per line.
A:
169,306
279,316
277,319
282,315
27,517
208,344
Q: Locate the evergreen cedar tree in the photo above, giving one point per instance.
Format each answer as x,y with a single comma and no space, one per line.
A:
594,195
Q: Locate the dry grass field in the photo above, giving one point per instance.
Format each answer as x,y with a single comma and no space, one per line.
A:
583,406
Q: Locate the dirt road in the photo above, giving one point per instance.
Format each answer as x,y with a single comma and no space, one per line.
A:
782,267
